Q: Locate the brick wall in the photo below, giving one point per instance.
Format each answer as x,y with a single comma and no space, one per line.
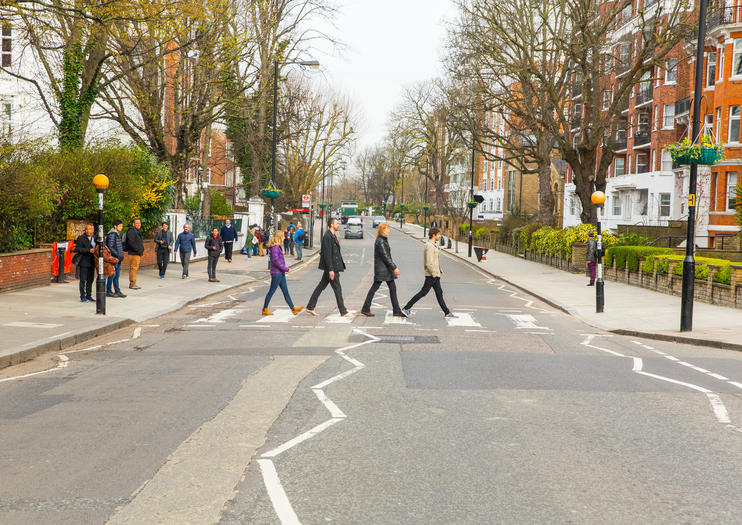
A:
25,269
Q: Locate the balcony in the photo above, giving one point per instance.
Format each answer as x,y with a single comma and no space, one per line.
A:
682,107
724,16
642,137
644,96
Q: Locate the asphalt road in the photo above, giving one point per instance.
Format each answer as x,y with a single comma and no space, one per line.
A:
512,413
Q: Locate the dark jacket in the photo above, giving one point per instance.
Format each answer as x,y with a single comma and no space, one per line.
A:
330,258
213,242
186,242
592,250
82,246
166,237
113,241
228,234
134,242
383,264
278,263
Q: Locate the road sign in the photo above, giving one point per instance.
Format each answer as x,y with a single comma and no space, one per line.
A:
306,199
691,200
299,210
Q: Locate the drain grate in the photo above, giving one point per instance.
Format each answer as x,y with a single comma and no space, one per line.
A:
407,339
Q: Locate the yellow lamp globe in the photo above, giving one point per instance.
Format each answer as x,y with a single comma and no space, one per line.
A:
598,198
100,182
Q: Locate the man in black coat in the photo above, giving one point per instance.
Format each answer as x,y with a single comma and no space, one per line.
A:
84,248
228,235
331,263
134,246
163,247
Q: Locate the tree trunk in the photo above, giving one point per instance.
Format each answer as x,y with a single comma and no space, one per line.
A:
546,197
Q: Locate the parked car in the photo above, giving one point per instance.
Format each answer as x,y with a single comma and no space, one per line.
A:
378,220
354,228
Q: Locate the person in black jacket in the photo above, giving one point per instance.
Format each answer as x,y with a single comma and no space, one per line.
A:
228,235
134,246
384,271
213,245
163,247
331,262
85,261
116,246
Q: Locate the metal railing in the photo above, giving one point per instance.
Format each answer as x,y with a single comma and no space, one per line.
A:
202,228
644,95
724,16
672,241
642,137
682,106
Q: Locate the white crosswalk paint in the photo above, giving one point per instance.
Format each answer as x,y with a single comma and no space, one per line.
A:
336,318
23,324
525,321
280,315
219,317
390,319
463,319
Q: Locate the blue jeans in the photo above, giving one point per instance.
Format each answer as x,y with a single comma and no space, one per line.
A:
113,281
278,279
255,248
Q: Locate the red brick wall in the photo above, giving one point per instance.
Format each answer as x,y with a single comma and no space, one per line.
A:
148,259
25,269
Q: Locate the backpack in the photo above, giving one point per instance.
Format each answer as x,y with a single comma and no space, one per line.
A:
124,243
300,238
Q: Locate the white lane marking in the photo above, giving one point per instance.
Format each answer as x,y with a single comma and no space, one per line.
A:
390,319
137,333
150,326
638,364
589,340
96,347
206,305
525,322
336,318
463,319
718,376
363,255
481,331
63,362
735,383
219,317
24,324
199,326
280,315
529,303
720,411
278,497
672,358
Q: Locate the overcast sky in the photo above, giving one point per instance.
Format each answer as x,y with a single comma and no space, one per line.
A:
390,44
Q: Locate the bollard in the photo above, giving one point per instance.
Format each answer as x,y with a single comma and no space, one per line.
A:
449,243
60,263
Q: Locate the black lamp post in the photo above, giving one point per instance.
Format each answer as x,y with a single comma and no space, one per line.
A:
689,263
101,185
322,203
471,194
401,205
598,198
426,206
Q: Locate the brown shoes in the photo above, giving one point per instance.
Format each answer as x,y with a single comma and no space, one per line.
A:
400,314
214,280
369,314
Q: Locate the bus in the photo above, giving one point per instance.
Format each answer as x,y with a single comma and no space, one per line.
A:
348,209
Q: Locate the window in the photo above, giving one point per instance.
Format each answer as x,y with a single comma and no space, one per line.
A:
668,116
737,59
664,204
628,164
708,125
511,189
711,70
718,124
671,71
653,164
6,114
616,204
733,124
720,72
619,166
731,190
666,161
6,46
606,99
655,117
498,206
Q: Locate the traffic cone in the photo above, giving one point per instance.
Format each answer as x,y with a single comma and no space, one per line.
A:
484,257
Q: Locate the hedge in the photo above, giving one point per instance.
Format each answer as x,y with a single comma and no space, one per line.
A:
551,241
632,254
723,275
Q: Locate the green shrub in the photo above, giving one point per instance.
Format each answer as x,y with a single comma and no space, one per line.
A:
632,239
648,265
630,255
219,205
723,275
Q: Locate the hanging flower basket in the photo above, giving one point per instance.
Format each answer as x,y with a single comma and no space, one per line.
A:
426,207
323,205
271,193
705,153
402,206
471,204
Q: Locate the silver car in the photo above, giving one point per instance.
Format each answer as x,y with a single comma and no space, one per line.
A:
354,228
378,220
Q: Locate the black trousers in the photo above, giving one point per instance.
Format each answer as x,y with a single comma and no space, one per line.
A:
163,257
211,266
228,250
87,276
435,284
392,295
335,283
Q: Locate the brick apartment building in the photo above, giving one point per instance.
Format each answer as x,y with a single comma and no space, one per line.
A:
644,187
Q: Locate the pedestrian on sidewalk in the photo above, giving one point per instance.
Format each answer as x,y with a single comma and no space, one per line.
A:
384,271
256,240
299,240
134,246
265,236
433,274
591,256
278,274
185,244
85,262
290,236
214,247
331,263
286,235
249,239
163,247
116,246
228,235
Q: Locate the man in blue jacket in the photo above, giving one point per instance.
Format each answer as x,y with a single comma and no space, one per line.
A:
185,244
299,240
114,243
228,235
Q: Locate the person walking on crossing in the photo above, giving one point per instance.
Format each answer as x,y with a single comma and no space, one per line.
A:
278,274
331,263
384,271
433,274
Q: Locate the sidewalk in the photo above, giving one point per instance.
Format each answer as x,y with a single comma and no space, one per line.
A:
50,318
629,310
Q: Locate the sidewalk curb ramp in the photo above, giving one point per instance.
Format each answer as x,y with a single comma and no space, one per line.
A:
672,338
23,353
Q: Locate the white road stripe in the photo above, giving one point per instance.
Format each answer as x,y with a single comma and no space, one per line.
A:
463,319
720,411
336,318
137,333
301,438
280,315
525,322
63,362
335,412
735,383
278,496
390,319
219,317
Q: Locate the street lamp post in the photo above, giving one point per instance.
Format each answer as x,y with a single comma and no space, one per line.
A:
471,195
425,206
598,198
401,206
322,209
101,185
689,263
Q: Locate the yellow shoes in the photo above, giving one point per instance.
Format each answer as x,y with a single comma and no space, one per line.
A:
267,312
296,309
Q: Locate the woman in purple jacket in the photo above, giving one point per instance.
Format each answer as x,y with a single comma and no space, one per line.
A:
278,274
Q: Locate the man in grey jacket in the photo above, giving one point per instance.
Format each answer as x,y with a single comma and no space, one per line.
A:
433,274
163,246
